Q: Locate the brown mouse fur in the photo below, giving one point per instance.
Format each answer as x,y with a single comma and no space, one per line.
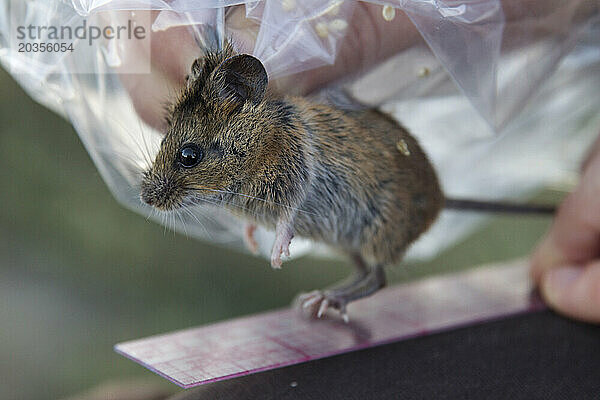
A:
298,167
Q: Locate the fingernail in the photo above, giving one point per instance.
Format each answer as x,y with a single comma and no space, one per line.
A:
545,256
557,281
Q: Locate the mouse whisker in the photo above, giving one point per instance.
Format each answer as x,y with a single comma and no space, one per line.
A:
173,223
178,213
186,209
151,213
252,197
170,224
218,204
167,222
223,201
145,152
238,206
113,152
148,154
163,221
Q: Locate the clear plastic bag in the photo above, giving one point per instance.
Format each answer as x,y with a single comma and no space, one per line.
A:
483,90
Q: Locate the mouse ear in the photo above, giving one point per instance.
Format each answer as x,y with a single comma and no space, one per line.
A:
242,78
194,72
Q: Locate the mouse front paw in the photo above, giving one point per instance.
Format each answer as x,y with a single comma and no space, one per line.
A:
279,248
283,237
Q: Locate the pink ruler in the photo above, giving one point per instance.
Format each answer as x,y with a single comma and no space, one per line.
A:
256,343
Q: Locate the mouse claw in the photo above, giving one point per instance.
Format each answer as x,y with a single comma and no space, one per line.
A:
346,318
278,249
283,236
276,258
318,302
344,315
276,263
308,299
305,296
323,308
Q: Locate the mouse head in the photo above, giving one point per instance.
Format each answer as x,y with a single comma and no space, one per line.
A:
213,129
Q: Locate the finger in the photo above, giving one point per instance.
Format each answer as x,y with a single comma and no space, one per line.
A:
574,291
149,94
169,56
369,40
574,237
590,155
173,52
149,91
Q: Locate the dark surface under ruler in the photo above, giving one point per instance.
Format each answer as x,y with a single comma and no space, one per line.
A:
533,356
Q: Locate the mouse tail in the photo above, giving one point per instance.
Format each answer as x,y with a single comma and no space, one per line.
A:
498,207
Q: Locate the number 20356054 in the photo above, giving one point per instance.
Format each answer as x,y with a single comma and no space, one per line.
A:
45,47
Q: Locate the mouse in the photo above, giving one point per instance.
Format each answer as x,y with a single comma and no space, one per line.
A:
355,180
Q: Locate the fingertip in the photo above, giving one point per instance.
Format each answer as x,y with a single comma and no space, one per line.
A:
545,256
557,284
573,291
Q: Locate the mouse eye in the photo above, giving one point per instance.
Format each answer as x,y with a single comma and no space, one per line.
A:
189,155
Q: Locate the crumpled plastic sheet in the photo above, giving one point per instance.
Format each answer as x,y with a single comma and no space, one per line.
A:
503,106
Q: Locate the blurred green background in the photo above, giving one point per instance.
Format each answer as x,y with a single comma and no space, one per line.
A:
79,273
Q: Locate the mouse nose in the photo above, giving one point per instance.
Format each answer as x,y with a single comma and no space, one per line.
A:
156,193
147,197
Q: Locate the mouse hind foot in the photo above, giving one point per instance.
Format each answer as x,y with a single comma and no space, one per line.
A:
367,281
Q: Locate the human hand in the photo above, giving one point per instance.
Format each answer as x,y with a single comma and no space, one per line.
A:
369,40
566,264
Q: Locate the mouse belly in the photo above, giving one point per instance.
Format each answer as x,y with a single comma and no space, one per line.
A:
332,218
376,221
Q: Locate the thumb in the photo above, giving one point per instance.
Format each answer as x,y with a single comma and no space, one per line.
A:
573,291
574,238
